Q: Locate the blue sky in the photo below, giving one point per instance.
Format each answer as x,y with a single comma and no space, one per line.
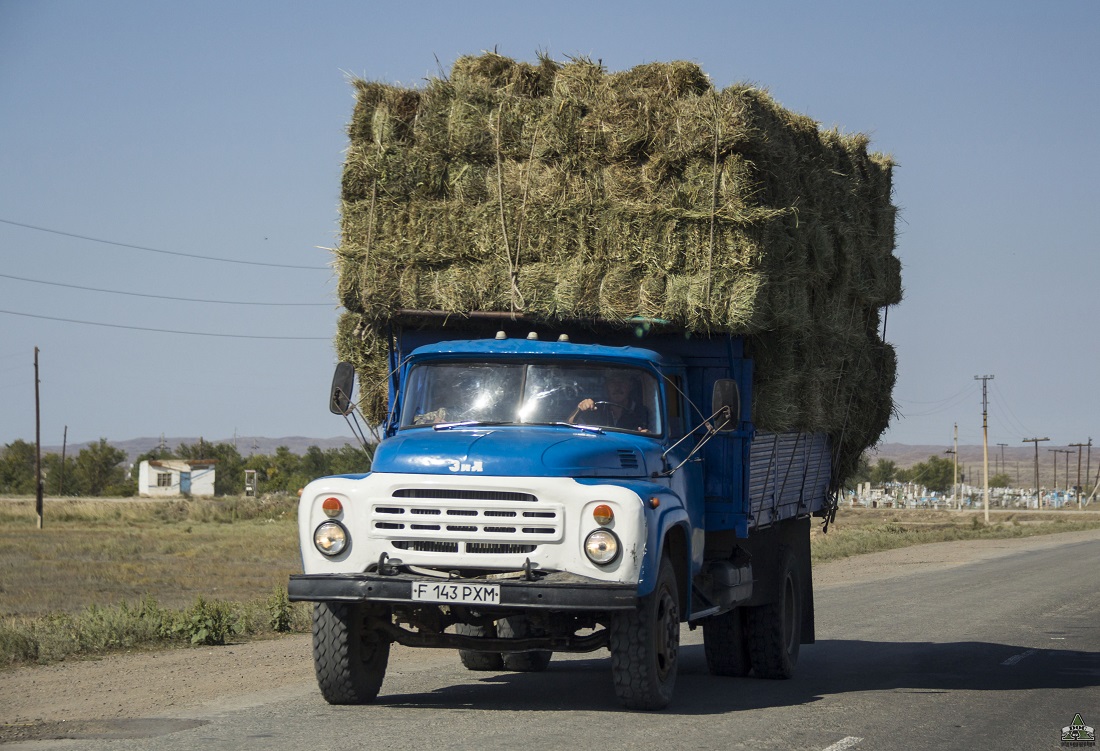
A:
217,129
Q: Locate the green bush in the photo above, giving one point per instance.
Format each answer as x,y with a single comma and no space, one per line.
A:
209,622
16,644
279,610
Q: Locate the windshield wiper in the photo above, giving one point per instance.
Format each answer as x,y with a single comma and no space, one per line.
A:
468,424
489,423
588,428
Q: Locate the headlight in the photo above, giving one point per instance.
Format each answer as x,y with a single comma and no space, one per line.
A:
601,547
331,538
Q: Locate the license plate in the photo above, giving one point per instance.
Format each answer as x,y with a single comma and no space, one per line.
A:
464,594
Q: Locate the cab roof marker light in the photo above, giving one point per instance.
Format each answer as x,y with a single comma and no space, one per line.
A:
501,335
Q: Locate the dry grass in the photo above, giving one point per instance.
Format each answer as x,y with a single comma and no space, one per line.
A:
859,531
104,553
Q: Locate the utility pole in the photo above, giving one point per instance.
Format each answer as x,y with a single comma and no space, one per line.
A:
955,487
1003,470
1038,492
985,442
1077,487
64,445
955,460
1088,461
1067,452
37,445
1055,452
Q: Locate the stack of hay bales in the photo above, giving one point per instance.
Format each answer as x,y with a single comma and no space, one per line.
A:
563,191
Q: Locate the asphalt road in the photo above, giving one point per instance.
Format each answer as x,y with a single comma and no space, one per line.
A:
1000,653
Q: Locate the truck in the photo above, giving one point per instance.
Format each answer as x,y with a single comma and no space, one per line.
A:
566,485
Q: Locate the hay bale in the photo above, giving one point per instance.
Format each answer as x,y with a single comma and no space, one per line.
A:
559,190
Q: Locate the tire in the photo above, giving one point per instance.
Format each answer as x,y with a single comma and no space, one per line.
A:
725,645
518,627
480,661
645,644
774,631
349,657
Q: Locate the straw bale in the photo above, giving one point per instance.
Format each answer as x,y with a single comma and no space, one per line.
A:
561,190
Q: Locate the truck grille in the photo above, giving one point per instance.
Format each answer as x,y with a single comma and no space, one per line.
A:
423,546
446,520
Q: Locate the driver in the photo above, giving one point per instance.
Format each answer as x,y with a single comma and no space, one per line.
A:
621,408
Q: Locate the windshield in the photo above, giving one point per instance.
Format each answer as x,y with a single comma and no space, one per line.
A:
608,396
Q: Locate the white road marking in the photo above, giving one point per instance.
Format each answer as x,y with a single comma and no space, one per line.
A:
849,742
1016,658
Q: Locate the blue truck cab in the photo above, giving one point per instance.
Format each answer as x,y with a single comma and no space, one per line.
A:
564,489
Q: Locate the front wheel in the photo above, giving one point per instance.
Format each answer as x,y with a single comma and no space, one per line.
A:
349,656
645,644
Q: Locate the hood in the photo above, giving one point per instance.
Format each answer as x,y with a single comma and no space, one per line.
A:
512,451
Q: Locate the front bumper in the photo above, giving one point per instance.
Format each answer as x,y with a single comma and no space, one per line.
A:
558,591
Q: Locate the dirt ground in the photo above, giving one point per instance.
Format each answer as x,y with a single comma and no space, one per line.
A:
167,683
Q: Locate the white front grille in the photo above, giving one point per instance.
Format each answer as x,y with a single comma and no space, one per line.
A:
461,520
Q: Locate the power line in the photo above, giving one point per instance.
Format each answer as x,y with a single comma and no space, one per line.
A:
956,395
158,250
168,331
164,297
1004,402
945,404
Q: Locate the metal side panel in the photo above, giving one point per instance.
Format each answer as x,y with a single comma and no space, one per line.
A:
788,475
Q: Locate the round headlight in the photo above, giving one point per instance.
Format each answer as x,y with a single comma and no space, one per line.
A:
331,538
601,547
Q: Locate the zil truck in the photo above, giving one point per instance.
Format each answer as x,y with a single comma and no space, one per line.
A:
563,486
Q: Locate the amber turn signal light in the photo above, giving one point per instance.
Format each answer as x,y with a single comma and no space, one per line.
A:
603,514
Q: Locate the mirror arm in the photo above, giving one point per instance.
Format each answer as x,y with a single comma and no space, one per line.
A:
351,417
711,432
356,429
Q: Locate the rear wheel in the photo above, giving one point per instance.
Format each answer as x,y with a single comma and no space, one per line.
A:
349,655
519,627
724,644
774,631
645,645
481,661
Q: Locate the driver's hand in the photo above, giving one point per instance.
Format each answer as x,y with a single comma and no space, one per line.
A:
586,405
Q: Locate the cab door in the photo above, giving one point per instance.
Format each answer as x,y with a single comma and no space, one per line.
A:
687,481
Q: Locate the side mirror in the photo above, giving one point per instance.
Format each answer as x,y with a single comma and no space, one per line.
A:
343,384
727,397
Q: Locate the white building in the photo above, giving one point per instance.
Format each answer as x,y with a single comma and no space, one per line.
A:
163,478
